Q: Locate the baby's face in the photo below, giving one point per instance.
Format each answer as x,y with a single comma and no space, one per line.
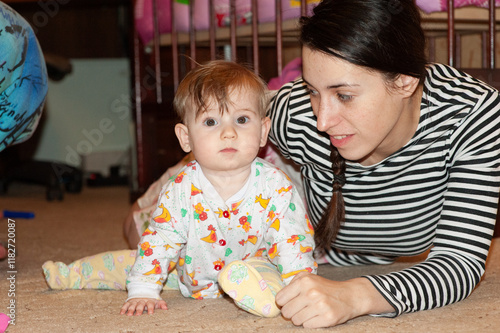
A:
228,141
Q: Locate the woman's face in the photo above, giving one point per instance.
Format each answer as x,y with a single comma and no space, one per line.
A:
365,118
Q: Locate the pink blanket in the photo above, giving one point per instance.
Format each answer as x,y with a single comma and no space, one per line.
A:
430,6
266,13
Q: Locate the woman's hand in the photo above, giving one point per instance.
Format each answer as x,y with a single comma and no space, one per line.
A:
138,305
313,301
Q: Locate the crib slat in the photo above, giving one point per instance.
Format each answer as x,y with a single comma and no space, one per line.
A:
279,38
192,33
139,133
303,8
255,37
233,29
156,46
491,33
175,51
211,21
451,32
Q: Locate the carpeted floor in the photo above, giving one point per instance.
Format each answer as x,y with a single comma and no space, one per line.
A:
90,222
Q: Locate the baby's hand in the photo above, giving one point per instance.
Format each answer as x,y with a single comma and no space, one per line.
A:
138,305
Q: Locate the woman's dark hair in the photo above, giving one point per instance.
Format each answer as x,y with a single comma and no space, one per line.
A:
380,35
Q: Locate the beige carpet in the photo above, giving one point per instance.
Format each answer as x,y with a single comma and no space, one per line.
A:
90,222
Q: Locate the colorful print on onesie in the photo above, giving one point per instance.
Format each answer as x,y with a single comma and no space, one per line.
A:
196,232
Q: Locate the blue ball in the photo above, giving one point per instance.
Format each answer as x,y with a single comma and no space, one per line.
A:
23,78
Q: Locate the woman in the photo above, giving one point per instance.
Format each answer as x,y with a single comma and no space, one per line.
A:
412,150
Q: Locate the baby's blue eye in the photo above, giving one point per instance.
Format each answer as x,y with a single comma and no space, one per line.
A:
210,122
242,120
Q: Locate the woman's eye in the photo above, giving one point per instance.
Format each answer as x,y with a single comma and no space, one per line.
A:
344,98
210,122
242,120
311,91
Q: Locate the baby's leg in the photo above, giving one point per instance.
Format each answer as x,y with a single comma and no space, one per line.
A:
252,284
107,270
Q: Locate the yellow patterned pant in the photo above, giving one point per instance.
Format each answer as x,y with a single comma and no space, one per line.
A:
252,283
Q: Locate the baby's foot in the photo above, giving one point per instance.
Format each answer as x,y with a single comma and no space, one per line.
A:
56,275
248,289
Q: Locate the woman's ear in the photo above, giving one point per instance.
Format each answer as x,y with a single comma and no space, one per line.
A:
407,84
266,126
182,133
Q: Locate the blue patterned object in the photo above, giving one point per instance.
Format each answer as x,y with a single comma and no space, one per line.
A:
23,78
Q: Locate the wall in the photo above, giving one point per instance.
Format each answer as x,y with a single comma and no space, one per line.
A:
88,113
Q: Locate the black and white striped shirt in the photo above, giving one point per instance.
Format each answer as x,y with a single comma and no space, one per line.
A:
439,191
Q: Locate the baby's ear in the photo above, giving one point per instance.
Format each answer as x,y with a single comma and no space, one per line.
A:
266,126
182,133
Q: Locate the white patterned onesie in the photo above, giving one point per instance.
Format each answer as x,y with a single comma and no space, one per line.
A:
195,231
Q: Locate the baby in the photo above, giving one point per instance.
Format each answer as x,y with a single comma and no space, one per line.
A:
228,222
229,219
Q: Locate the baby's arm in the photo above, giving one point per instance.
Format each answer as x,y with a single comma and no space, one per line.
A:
138,305
290,236
158,253
150,270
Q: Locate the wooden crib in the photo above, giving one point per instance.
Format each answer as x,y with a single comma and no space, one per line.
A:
161,62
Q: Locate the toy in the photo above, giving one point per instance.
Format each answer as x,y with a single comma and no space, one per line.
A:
4,322
23,78
13,214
